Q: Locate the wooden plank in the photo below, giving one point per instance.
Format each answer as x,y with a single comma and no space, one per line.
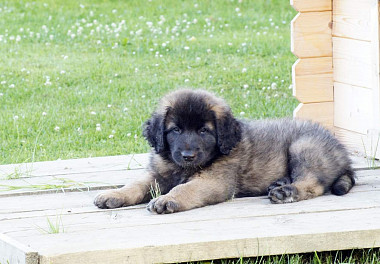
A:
66,183
360,162
352,107
366,145
311,35
65,167
13,251
352,19
313,80
177,242
311,6
82,202
322,113
353,62
77,221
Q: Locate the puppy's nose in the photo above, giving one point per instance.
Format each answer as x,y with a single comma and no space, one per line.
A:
188,155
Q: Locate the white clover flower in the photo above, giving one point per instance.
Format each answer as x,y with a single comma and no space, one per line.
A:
12,86
242,113
111,136
1,94
244,70
273,86
186,48
62,72
187,80
125,109
129,134
44,113
56,128
98,128
109,105
245,86
93,113
15,117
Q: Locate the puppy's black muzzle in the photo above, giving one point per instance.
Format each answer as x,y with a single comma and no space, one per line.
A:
188,155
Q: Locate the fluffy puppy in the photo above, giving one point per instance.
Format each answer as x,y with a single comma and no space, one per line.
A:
202,155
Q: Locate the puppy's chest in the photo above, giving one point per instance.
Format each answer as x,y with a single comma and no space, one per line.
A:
180,177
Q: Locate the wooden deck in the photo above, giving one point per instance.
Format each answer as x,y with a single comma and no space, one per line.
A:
62,192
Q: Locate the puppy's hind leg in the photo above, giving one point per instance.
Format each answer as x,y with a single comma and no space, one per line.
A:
314,165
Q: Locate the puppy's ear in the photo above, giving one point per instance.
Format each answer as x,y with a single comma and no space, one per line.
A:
228,132
154,130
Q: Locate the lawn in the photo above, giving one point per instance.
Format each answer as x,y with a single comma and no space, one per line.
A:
79,78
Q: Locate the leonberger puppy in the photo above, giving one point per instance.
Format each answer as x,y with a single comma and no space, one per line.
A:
202,155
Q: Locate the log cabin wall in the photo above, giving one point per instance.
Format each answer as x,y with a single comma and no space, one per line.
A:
336,76
312,73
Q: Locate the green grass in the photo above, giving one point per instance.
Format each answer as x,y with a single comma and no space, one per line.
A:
362,256
53,227
69,65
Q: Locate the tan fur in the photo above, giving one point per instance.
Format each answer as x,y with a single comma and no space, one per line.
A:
308,188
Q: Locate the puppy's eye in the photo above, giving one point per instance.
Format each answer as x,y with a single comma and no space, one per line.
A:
176,130
202,130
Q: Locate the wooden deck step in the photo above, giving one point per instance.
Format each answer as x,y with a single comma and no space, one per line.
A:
237,228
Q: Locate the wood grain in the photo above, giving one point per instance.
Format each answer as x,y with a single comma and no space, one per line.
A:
352,107
75,166
313,80
352,19
353,62
365,144
311,35
322,113
310,6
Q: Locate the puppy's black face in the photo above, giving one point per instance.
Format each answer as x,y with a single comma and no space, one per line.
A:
192,128
192,141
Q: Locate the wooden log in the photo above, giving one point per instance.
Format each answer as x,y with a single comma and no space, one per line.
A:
322,113
353,107
310,5
353,62
352,19
311,35
313,80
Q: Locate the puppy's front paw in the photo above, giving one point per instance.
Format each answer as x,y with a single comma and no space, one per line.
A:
284,194
163,205
109,199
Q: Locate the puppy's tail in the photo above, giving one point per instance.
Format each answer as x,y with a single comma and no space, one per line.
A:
344,183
